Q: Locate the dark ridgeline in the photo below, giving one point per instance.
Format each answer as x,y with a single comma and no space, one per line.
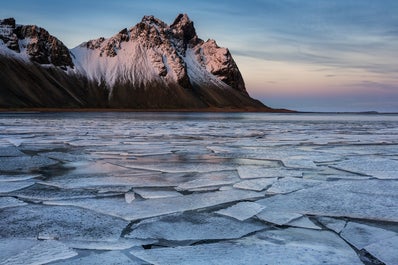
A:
159,66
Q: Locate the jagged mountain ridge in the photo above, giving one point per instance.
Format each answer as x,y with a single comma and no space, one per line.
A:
151,65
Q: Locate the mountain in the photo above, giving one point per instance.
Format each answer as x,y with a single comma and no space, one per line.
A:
149,66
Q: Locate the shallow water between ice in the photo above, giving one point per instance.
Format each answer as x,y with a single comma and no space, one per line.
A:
198,188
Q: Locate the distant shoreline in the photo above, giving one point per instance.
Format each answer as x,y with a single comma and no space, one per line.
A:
218,110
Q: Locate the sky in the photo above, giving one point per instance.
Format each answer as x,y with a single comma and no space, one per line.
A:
312,55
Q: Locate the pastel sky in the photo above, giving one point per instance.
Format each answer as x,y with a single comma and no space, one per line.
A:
312,55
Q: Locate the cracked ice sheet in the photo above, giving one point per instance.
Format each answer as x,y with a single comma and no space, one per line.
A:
381,168
210,179
287,185
120,244
255,184
6,178
10,186
155,207
108,258
102,181
361,235
156,193
385,250
33,252
334,224
25,163
242,210
303,222
252,172
289,246
10,151
193,226
64,223
6,202
370,199
40,192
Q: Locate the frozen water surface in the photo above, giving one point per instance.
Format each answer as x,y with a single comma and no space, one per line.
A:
198,188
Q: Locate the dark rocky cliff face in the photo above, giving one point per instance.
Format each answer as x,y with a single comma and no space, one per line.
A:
152,65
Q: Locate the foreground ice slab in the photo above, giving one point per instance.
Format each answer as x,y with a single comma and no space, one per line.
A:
286,185
371,199
255,184
361,235
108,258
59,222
150,208
6,202
193,226
381,168
300,247
242,211
25,163
14,185
252,172
120,244
385,250
332,223
39,253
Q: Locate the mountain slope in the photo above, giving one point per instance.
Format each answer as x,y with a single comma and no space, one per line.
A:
151,65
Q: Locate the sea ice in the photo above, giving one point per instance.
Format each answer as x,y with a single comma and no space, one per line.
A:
252,172
381,168
40,192
10,151
303,222
121,244
108,258
25,163
271,248
6,202
385,250
209,180
129,196
287,185
64,223
277,217
40,253
255,184
361,235
150,208
334,224
193,226
242,210
10,186
370,199
6,178
156,193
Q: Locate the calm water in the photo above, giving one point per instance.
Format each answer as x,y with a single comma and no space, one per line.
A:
101,186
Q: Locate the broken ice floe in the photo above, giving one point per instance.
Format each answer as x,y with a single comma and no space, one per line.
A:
25,163
40,192
251,172
108,258
293,246
287,185
209,180
193,226
303,222
361,235
384,250
59,222
6,202
381,168
10,186
150,208
334,224
10,151
120,244
255,184
372,199
156,193
39,252
277,217
242,210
